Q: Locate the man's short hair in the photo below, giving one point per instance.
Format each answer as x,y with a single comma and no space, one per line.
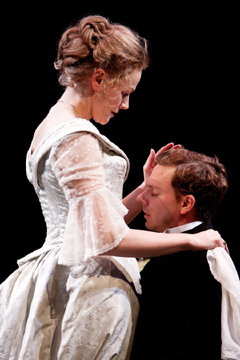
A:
202,176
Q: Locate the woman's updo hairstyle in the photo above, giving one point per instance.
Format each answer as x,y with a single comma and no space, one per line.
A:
95,43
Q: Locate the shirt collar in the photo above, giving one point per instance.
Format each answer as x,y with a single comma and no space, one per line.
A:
182,228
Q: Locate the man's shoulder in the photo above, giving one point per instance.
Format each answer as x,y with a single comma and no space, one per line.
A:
185,262
181,262
182,257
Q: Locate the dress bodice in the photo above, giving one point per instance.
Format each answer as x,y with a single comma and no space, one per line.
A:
53,202
51,196
78,176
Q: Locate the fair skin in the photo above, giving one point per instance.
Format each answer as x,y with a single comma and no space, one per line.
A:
162,209
100,102
96,102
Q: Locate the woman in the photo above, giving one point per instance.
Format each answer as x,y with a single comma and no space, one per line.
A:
75,298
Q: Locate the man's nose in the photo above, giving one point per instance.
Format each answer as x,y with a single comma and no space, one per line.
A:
142,199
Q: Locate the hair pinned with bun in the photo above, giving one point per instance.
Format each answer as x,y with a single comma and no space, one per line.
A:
93,43
94,29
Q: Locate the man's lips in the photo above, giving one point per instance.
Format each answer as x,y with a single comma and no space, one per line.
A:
146,215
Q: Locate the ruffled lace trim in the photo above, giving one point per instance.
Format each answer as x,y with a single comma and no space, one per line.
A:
95,225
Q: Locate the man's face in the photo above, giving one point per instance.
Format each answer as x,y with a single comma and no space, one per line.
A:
161,208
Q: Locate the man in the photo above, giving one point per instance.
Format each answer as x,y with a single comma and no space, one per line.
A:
180,307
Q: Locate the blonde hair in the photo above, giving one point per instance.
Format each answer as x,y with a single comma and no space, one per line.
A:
95,43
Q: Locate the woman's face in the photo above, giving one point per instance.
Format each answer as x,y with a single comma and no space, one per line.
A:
108,101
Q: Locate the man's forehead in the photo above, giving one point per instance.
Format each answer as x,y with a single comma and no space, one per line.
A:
161,174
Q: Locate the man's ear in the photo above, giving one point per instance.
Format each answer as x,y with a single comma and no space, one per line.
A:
97,78
188,202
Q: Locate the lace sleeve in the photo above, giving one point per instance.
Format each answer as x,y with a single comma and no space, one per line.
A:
95,221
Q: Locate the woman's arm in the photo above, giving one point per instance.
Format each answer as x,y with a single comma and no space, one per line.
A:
95,221
143,244
130,201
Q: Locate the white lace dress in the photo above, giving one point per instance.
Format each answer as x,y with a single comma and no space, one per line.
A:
66,301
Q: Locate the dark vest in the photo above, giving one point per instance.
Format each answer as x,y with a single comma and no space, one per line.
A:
180,308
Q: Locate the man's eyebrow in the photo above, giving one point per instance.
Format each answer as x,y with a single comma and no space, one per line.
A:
153,186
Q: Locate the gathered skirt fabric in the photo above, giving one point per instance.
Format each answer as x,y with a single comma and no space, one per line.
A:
52,311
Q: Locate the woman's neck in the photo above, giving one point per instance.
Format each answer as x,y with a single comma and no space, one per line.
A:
81,102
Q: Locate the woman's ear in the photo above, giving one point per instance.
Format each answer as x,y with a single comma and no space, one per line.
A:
188,202
97,79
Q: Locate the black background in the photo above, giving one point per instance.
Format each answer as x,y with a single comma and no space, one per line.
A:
188,95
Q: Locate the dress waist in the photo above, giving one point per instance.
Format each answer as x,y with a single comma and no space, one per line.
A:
47,246
122,268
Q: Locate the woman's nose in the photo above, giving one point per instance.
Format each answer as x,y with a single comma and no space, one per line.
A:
125,104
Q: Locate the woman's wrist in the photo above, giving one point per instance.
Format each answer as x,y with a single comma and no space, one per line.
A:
190,243
183,241
143,186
